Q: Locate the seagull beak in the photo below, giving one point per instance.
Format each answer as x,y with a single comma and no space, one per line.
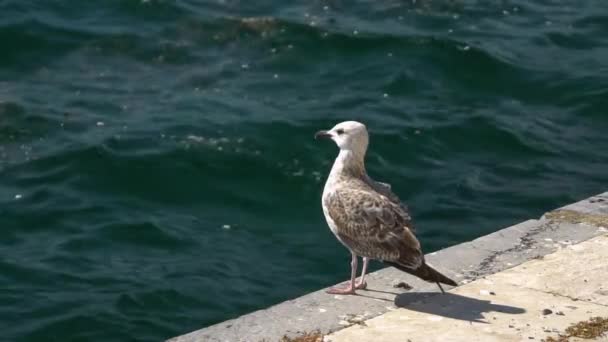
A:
322,134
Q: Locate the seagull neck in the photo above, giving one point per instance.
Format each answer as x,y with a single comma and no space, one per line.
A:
349,163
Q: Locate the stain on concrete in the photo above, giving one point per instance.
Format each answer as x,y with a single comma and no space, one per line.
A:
591,329
575,217
306,337
526,242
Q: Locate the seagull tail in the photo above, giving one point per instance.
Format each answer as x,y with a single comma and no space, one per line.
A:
426,272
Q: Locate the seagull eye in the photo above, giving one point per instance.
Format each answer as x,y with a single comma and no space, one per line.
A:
340,131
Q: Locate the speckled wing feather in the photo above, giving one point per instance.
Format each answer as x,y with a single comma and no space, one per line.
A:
372,225
385,189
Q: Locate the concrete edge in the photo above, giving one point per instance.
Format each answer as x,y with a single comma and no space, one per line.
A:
464,262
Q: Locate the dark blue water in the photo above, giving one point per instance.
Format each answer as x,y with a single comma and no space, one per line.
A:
157,167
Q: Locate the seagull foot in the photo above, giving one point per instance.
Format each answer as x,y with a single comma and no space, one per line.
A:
361,285
349,290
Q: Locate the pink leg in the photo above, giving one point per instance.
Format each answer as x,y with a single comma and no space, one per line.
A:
361,284
350,288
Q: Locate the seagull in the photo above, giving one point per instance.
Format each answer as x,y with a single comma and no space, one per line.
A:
366,216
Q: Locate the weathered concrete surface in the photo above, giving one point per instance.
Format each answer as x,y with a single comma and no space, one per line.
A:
508,306
464,263
578,271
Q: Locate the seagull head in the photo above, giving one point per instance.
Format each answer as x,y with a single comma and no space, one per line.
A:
348,135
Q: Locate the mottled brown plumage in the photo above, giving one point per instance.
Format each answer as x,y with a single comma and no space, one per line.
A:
371,225
365,215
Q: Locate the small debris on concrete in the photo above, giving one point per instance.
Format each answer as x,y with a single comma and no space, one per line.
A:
350,319
492,293
547,311
560,313
306,337
591,329
403,285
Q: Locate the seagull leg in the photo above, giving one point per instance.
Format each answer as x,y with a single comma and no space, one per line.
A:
350,288
361,284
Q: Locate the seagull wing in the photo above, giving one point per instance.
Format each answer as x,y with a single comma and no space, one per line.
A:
385,189
372,225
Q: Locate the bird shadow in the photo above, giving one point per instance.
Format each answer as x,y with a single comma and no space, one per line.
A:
453,306
385,292
373,297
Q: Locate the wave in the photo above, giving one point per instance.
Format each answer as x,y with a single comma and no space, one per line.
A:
30,43
188,38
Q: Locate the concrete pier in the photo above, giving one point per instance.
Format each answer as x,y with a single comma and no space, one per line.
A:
533,301
525,282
